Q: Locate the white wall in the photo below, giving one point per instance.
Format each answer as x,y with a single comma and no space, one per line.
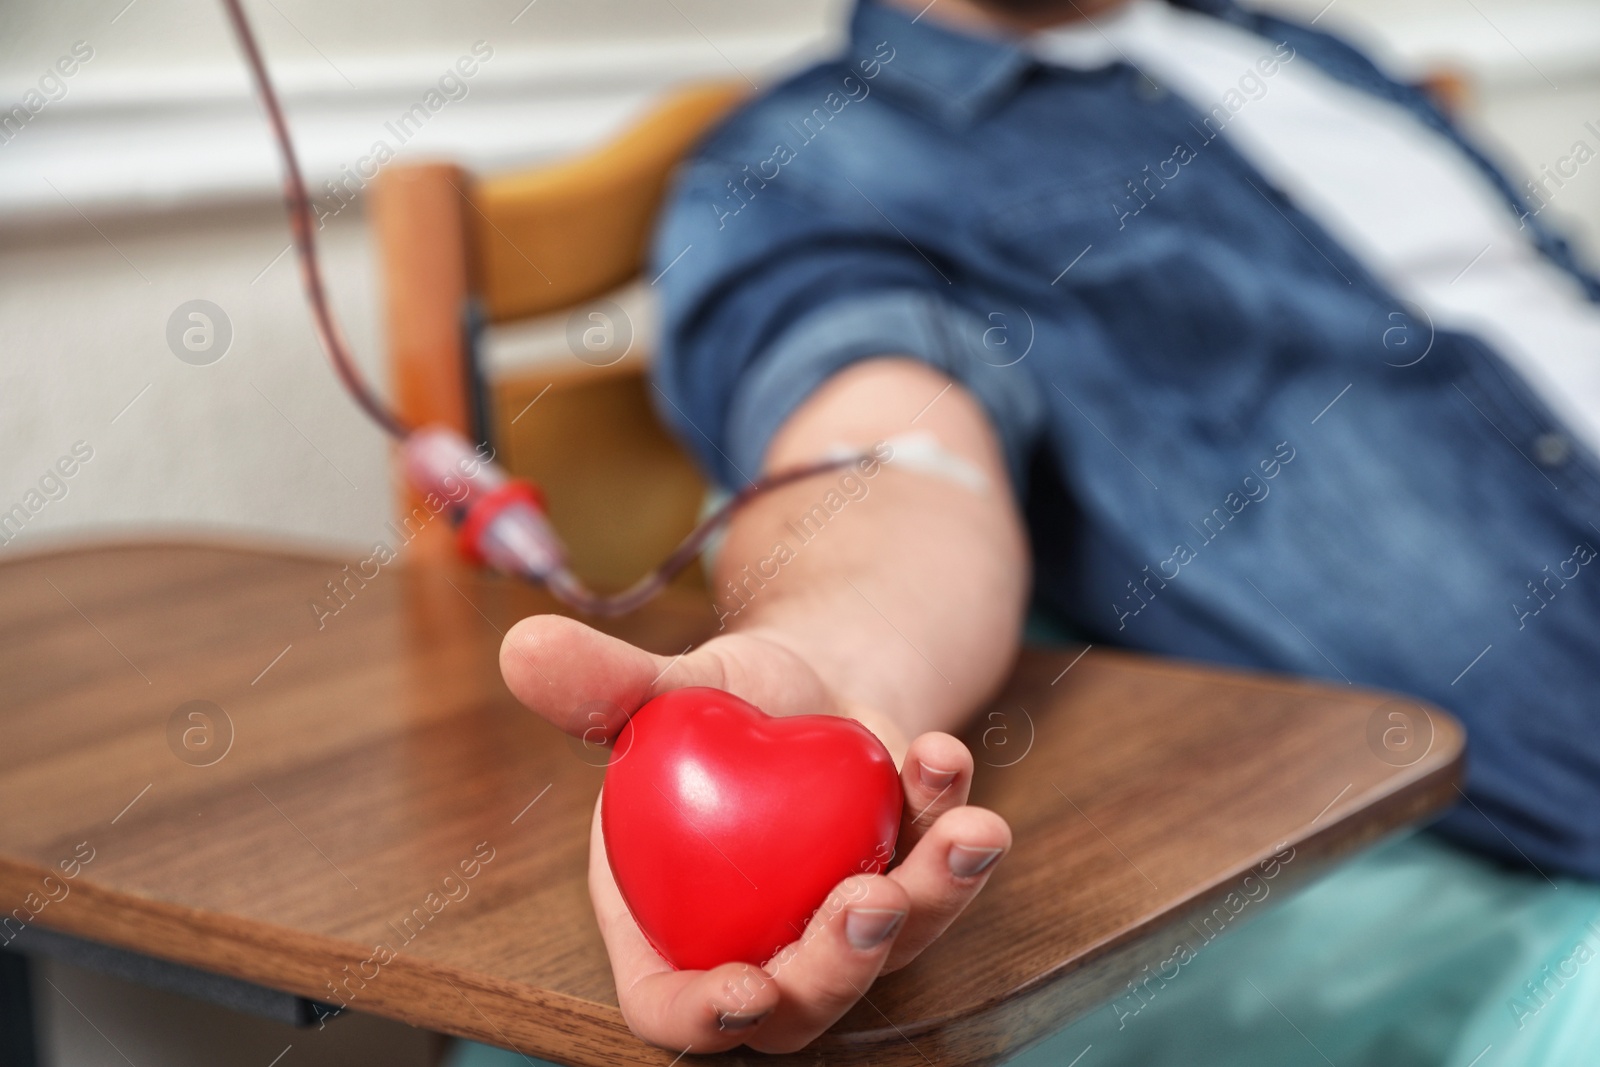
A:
261,439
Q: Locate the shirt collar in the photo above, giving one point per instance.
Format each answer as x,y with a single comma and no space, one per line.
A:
953,76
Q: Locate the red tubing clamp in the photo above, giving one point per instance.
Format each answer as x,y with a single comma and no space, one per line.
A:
484,510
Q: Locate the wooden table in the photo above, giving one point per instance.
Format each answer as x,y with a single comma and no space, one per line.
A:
340,776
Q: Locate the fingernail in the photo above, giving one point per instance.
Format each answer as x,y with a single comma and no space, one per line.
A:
868,928
934,778
969,862
733,1020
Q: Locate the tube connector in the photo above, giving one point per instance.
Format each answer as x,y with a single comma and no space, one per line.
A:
502,520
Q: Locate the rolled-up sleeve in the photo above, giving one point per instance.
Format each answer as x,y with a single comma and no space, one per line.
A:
762,306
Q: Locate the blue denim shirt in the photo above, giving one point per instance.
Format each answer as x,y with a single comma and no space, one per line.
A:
1232,442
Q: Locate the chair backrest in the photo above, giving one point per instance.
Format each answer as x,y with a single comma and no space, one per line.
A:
461,252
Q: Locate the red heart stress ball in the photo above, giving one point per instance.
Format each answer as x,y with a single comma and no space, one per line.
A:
727,828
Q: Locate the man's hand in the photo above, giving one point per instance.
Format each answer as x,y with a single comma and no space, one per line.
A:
870,924
903,610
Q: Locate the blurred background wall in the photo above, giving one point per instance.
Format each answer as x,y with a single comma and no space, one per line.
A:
149,181
146,180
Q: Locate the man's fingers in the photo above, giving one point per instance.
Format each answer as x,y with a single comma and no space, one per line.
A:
564,670
944,872
700,1011
585,681
936,774
781,1008
588,683
833,964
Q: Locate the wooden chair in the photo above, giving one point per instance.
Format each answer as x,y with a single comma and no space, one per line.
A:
462,253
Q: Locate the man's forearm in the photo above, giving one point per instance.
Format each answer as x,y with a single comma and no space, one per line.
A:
907,596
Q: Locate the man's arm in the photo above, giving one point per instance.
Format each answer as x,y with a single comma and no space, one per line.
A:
910,601
903,610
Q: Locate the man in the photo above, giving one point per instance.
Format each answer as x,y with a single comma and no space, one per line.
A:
1207,339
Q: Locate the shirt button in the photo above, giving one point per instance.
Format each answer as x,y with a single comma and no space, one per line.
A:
1552,449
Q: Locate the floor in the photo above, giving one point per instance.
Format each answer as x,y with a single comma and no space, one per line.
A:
88,1020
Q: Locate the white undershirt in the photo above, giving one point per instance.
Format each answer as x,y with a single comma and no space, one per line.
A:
1401,197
